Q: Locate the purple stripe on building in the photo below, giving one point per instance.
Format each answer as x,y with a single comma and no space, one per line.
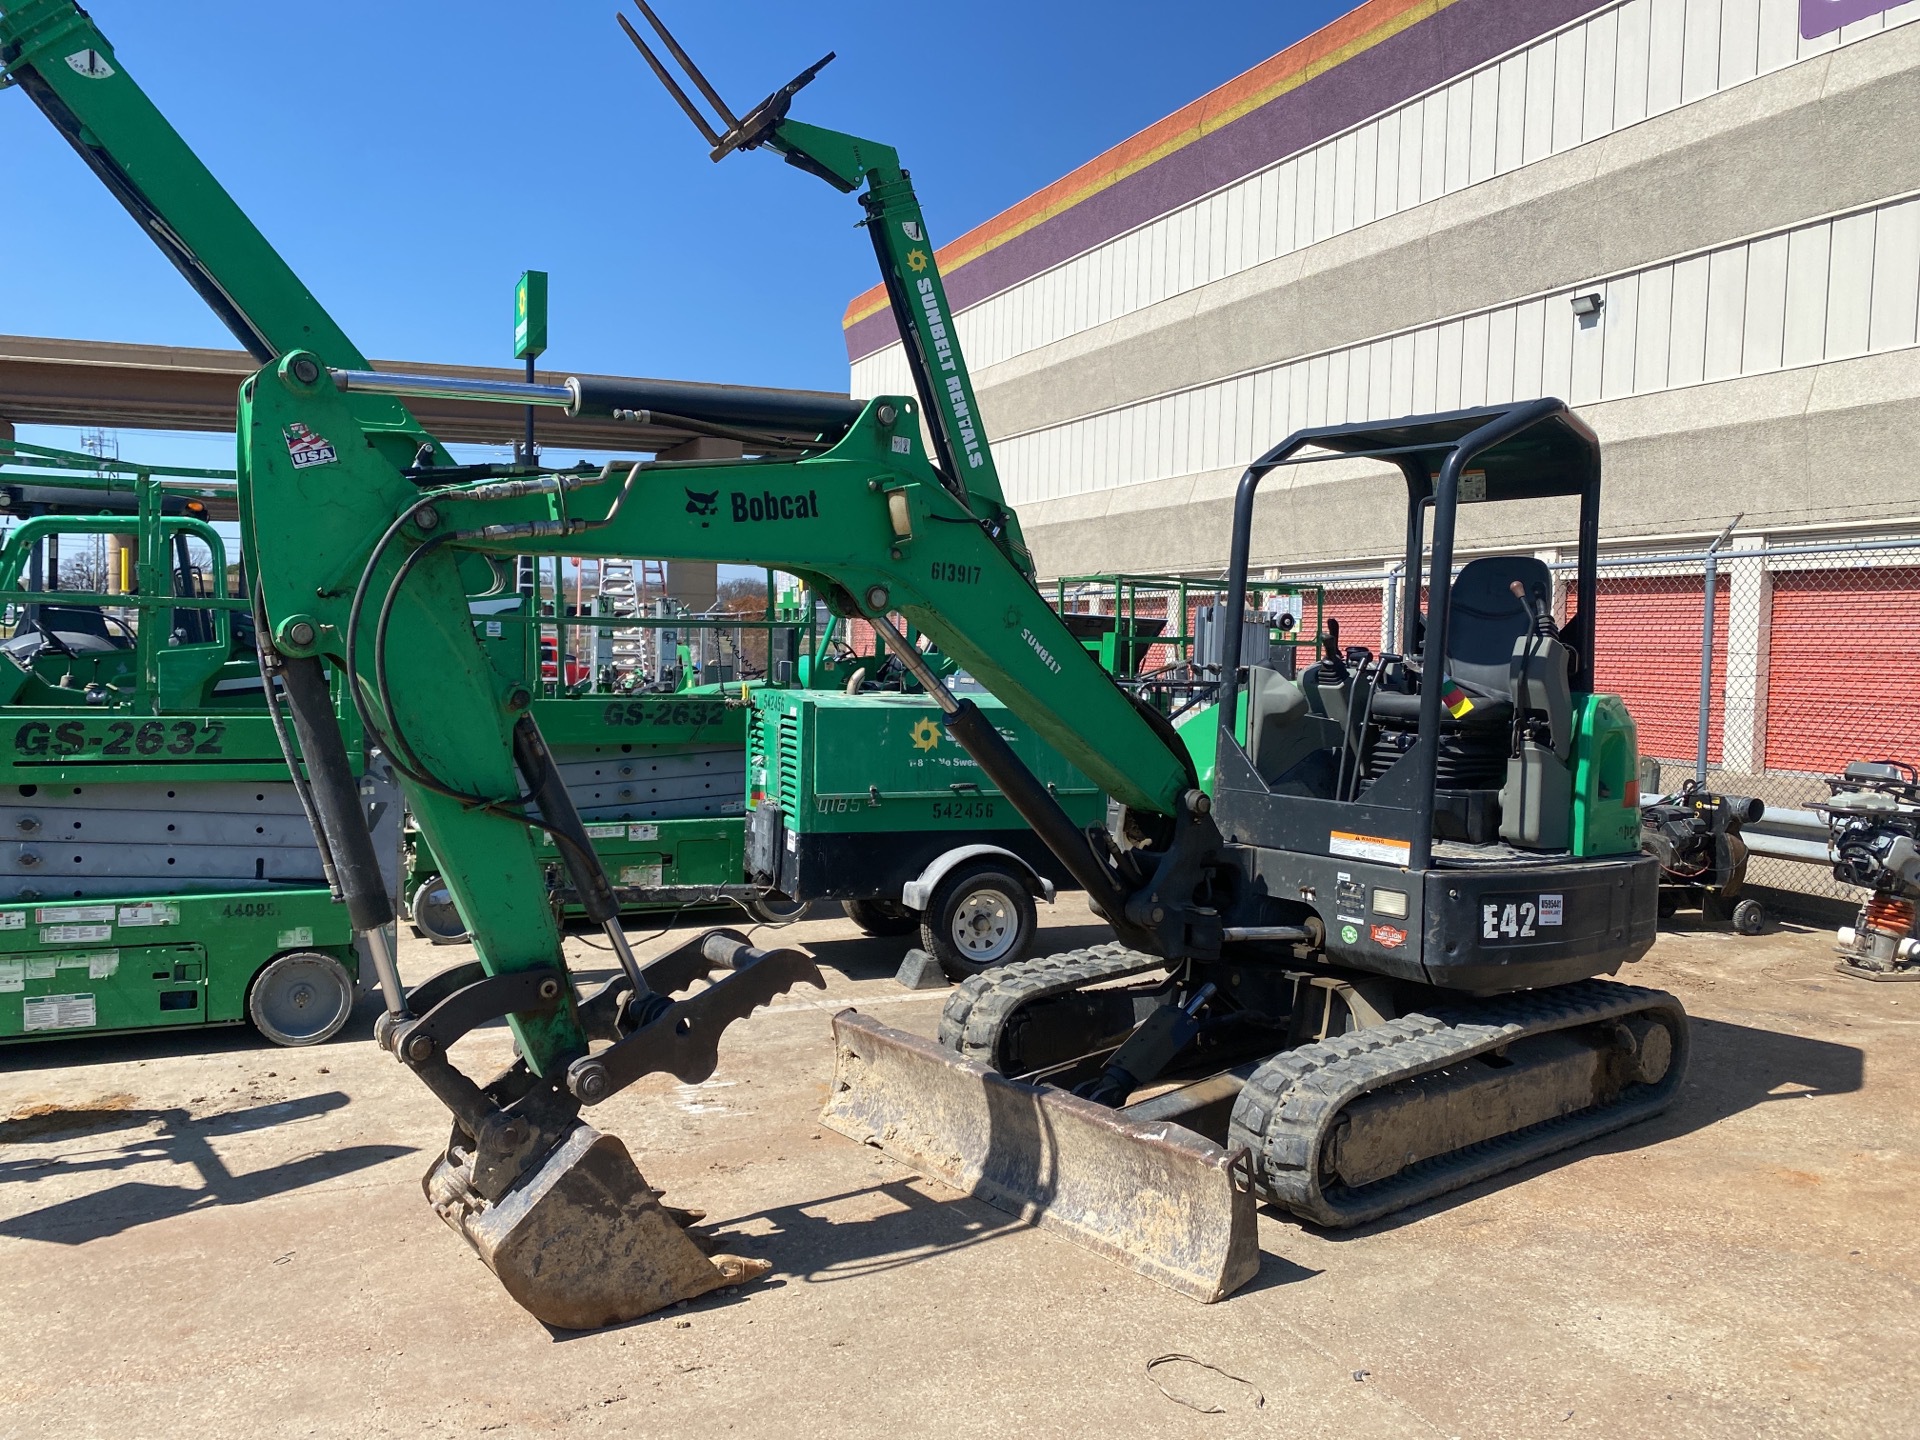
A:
1440,48
1823,17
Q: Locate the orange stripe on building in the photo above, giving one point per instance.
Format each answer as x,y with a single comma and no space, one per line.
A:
1357,31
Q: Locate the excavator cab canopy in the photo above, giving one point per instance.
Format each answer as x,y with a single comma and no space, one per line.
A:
1529,451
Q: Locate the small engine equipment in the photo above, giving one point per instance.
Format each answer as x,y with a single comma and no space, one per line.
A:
1695,835
1873,820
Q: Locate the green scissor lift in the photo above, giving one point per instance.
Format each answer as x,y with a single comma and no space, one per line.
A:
655,763
1158,635
156,866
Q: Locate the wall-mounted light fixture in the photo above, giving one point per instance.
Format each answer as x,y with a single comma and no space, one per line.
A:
1588,304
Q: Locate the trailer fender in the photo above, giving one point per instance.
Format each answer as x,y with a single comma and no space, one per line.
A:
916,893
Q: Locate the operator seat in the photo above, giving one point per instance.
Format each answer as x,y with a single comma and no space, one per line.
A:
1484,620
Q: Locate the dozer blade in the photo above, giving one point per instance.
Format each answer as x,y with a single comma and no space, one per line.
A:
582,1241
1158,1198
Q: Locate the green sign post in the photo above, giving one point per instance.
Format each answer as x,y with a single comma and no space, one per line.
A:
530,315
530,331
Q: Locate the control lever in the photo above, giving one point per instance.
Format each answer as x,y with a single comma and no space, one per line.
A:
1336,660
1537,610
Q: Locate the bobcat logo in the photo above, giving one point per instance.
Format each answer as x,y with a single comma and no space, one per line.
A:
703,505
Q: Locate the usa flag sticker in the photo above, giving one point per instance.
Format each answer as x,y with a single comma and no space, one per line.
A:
307,449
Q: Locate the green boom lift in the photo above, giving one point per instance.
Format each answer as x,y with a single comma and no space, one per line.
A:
1365,966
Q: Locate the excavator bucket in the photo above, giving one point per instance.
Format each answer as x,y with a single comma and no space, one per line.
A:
582,1241
1153,1196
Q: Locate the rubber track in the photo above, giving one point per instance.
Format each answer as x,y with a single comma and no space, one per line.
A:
1292,1102
977,1013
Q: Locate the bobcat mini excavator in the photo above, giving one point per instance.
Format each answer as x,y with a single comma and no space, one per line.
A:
1359,974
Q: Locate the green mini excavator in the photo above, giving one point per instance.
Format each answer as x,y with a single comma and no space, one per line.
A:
1360,974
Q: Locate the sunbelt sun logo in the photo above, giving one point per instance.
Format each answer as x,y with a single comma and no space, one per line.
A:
769,506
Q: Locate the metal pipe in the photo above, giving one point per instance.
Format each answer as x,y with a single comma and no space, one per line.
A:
1297,933
531,412
1778,820
1712,577
1785,847
1706,670
498,392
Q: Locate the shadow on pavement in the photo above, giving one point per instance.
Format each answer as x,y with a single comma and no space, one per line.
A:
181,1138
118,1048
821,1248
810,1247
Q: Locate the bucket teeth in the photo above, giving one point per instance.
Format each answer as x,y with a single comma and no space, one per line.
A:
582,1240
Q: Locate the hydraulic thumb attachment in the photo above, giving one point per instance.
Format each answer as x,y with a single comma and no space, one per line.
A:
557,1210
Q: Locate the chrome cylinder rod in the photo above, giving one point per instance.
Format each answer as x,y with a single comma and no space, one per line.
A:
441,387
386,968
629,963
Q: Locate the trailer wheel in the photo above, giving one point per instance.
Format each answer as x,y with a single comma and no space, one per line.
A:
881,918
771,909
433,913
978,917
1750,917
300,998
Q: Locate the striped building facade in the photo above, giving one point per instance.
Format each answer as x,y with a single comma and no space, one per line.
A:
1394,216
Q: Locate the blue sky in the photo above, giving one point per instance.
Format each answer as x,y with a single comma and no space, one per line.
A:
411,159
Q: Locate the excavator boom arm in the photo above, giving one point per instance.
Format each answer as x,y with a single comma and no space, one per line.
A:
868,522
